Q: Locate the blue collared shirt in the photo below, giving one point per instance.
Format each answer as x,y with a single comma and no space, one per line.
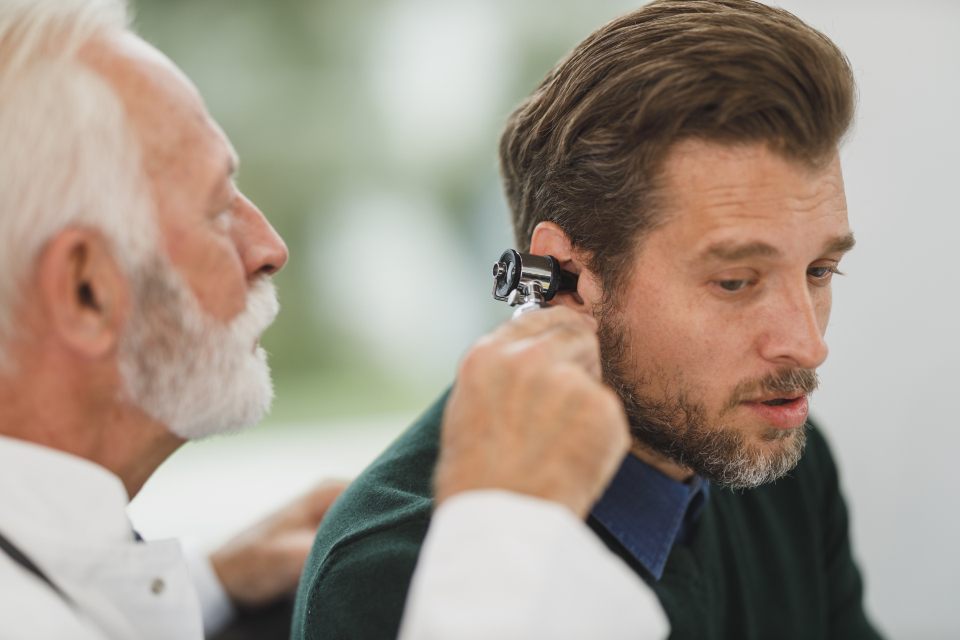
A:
649,512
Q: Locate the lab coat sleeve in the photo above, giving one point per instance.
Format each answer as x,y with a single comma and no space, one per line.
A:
217,608
497,564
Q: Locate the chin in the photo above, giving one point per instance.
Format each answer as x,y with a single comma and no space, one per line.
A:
745,456
765,435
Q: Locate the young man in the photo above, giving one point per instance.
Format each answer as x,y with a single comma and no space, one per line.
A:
134,283
683,161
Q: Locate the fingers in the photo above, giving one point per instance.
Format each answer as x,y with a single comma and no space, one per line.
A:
584,437
264,562
294,547
259,571
529,413
316,502
538,341
535,323
560,344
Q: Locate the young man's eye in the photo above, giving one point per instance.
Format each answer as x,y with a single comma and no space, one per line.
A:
821,273
733,285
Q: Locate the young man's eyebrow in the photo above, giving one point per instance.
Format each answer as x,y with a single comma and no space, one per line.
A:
841,244
735,251
730,251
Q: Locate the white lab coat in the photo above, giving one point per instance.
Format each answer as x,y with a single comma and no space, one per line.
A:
494,564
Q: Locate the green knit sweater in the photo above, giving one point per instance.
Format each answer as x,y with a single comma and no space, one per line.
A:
769,563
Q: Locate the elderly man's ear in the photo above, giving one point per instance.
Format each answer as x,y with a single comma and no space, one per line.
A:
549,240
83,292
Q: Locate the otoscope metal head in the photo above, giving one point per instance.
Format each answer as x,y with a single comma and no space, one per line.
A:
529,281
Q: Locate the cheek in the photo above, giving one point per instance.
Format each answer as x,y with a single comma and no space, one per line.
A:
212,269
693,342
678,332
822,304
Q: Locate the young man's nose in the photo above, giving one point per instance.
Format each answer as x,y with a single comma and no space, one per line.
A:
261,248
795,336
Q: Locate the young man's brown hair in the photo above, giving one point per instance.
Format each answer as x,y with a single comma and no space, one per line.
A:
584,150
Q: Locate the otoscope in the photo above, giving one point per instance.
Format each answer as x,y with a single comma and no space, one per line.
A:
527,281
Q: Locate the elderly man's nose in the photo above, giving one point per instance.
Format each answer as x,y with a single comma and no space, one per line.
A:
262,249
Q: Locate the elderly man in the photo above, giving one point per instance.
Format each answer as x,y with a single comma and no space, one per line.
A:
135,283
683,162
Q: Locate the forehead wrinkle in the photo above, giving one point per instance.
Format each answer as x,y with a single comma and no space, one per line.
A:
753,200
740,189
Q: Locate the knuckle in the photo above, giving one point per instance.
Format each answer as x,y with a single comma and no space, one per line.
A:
609,404
593,341
562,341
537,353
598,402
576,318
581,382
530,323
558,315
582,336
530,370
561,313
573,386
567,333
567,313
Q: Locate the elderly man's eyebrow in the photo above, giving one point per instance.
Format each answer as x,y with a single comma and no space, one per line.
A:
841,244
220,189
734,251
233,165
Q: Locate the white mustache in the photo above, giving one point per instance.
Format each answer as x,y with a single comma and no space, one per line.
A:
263,306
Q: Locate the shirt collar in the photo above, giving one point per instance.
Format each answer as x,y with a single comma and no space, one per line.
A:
68,516
649,512
45,492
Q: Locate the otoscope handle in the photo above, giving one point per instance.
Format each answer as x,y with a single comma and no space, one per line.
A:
526,298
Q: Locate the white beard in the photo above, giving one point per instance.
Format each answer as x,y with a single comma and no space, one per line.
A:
195,375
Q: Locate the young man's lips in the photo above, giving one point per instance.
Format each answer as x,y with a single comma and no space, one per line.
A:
789,415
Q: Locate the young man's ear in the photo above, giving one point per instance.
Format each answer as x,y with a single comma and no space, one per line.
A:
549,240
83,291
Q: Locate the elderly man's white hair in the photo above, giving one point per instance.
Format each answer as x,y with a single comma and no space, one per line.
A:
67,156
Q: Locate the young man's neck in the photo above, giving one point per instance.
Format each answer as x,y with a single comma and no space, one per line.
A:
661,463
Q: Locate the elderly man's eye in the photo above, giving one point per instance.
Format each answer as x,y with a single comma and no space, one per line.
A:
733,285
222,220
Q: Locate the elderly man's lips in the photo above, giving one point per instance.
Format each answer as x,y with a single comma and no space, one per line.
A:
789,415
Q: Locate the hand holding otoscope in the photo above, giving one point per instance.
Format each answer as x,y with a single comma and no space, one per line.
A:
529,412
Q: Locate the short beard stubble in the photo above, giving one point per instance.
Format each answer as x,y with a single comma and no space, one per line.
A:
676,424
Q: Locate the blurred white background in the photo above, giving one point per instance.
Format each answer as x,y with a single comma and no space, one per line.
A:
431,81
